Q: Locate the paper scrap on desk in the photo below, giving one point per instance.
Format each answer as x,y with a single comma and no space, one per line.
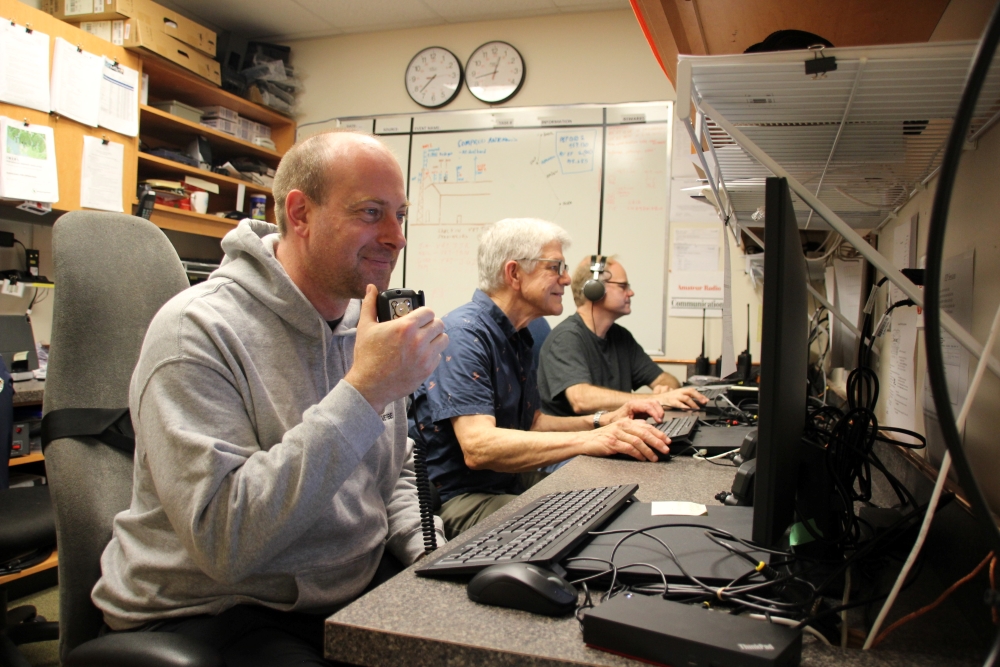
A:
101,175
24,67
678,508
76,83
119,98
27,162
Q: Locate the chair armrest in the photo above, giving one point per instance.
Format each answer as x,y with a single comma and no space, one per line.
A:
143,649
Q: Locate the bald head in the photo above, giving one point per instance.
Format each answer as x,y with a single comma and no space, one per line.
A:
582,274
314,164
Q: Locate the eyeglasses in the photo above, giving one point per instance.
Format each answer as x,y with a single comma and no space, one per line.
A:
624,285
558,265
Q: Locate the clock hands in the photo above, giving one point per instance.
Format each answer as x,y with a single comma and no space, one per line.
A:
492,74
428,83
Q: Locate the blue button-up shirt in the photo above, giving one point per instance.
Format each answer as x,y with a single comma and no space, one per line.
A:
488,369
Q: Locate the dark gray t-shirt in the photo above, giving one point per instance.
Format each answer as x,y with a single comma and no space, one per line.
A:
573,354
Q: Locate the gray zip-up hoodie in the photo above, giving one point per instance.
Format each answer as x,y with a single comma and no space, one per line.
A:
260,475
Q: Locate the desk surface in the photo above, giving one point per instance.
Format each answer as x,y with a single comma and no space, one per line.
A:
416,621
29,392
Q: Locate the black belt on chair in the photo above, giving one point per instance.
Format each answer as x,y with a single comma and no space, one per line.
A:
112,426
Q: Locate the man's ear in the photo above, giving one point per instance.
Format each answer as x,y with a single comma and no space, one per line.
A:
298,208
512,274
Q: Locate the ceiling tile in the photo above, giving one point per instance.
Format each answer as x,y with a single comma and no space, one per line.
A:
256,19
370,15
460,11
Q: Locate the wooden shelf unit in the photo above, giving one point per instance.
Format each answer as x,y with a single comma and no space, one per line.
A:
159,129
170,82
191,222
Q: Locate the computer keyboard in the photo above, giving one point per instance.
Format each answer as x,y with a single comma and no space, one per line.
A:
679,428
541,533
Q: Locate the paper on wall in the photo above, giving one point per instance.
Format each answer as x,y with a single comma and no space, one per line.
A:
901,404
24,67
843,290
27,162
904,252
956,300
76,83
119,98
696,248
101,175
696,281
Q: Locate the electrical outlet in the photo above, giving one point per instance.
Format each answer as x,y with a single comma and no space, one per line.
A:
15,289
34,259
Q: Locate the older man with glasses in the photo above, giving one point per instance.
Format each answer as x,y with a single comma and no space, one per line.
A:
589,363
478,412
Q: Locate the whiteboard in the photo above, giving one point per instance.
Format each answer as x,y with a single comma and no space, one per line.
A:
462,182
600,172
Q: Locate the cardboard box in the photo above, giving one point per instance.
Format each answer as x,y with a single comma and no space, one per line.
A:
75,11
140,35
173,24
109,31
167,21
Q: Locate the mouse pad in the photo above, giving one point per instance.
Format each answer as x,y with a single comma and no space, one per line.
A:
700,557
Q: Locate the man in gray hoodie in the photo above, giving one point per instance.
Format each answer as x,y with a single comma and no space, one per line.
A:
272,464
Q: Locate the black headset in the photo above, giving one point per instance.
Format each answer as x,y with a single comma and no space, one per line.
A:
593,289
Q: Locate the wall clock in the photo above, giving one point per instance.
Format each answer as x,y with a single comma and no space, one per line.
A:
433,77
494,72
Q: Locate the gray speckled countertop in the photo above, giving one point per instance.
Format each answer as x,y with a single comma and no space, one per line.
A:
427,622
29,392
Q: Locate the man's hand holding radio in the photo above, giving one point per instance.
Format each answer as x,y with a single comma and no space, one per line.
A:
392,358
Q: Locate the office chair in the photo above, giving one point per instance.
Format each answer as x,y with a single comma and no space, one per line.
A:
27,537
113,273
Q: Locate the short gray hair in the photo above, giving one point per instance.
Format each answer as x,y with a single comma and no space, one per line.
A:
513,239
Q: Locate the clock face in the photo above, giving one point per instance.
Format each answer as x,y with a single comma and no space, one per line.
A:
433,77
494,72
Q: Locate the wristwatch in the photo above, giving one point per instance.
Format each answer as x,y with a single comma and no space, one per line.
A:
597,418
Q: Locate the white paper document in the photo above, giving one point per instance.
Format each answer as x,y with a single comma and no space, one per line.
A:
697,248
843,290
956,299
119,98
692,292
24,67
76,83
101,175
901,405
904,252
27,162
678,508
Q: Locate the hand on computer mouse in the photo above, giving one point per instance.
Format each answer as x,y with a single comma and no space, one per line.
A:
685,398
523,586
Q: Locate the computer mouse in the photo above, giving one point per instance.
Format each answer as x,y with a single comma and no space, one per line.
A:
523,586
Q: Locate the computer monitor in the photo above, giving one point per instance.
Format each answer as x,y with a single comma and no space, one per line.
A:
783,364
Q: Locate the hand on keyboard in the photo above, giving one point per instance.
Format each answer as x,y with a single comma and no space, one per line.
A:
685,398
626,436
637,408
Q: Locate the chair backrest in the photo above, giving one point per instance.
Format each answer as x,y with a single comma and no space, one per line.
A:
113,272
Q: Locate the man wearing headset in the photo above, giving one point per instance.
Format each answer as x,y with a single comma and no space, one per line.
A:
588,363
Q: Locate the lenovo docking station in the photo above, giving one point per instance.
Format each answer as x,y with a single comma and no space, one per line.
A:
652,629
